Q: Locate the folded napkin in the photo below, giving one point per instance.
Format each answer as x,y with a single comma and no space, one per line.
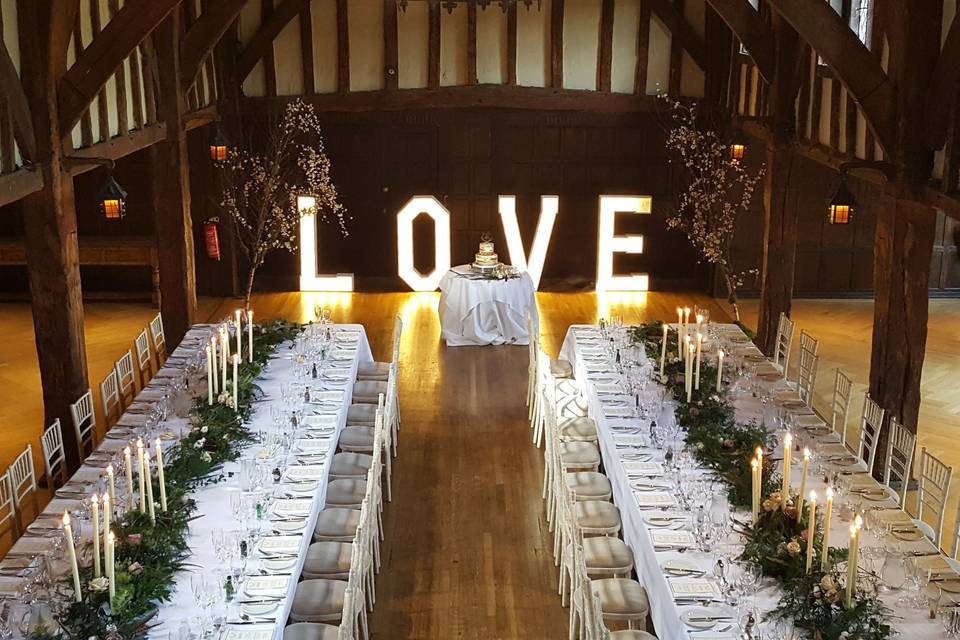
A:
693,588
342,353
253,632
10,585
280,545
323,420
267,585
651,500
618,412
671,539
313,446
32,546
306,471
642,468
609,389
292,506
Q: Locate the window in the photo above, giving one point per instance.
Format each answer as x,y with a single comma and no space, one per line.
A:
860,19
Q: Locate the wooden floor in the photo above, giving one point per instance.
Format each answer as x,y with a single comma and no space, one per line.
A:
467,554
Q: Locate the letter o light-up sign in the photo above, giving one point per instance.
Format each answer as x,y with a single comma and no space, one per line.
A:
441,235
607,243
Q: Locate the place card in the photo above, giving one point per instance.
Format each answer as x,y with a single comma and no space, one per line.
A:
333,375
642,468
261,585
305,471
672,539
292,506
332,395
259,632
313,445
597,367
618,412
624,440
285,545
321,420
342,354
609,390
692,588
652,500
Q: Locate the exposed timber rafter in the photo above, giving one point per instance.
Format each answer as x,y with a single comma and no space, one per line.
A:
134,22
12,91
690,40
263,39
204,34
852,62
943,88
755,35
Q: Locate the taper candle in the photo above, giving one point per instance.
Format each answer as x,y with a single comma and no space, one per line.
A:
699,348
663,349
213,359
238,314
755,493
787,452
825,547
150,506
250,335
811,529
236,363
128,470
95,513
140,476
699,319
680,331
160,476
803,480
110,484
719,368
224,356
209,378
106,530
72,551
112,541
851,568
689,376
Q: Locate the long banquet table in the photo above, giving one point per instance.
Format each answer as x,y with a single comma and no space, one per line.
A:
619,435
213,500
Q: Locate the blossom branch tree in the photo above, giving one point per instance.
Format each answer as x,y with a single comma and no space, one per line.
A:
715,189
261,188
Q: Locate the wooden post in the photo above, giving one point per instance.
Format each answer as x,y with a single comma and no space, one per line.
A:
171,196
50,222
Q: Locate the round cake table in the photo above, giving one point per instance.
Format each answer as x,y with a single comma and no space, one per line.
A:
475,310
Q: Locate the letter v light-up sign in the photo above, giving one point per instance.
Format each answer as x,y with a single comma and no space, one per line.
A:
608,243
441,235
310,280
549,205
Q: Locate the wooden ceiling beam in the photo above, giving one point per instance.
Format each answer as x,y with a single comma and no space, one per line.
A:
745,23
852,63
12,91
19,184
204,34
134,22
690,40
943,88
263,39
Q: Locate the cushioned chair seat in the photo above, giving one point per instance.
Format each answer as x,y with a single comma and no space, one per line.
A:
614,635
310,631
597,515
582,429
561,368
368,391
587,485
361,415
621,597
350,465
373,371
347,492
328,559
579,454
607,554
318,600
337,524
357,439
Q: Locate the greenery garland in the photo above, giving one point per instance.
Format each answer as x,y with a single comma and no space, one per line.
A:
148,556
813,602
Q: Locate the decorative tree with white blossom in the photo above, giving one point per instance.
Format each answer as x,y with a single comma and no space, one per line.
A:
715,189
264,180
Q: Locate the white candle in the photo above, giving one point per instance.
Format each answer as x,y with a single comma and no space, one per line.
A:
150,507
224,353
755,489
787,452
106,531
209,378
686,351
686,315
699,322
250,335
95,509
803,480
719,368
663,349
128,469
110,483
680,332
112,542
160,477
68,533
825,549
689,376
699,348
237,315
811,529
236,361
140,475
213,360
851,564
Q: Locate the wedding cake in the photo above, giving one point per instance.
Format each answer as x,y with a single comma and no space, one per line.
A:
485,259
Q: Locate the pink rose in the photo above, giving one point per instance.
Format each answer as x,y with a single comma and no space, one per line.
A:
134,539
694,412
135,569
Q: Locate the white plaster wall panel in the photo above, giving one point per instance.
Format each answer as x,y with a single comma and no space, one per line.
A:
581,41
249,21
324,15
533,46
11,37
658,63
413,38
492,45
823,127
453,46
623,64
288,60
365,28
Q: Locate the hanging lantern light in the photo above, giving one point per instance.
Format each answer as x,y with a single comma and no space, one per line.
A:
842,204
112,199
738,147
219,147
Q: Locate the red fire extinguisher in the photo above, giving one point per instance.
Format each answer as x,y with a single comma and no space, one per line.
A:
212,238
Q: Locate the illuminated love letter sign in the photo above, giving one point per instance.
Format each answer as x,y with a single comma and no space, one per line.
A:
441,236
310,280
607,243
549,205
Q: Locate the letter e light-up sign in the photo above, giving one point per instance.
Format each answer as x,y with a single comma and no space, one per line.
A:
608,243
549,205
441,236
310,280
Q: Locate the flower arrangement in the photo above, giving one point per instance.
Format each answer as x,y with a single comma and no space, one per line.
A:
716,189
262,190
148,556
814,605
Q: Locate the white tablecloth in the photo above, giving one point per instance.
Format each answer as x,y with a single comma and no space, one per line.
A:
482,312
664,612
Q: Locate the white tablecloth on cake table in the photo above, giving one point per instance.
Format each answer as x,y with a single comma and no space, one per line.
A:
481,312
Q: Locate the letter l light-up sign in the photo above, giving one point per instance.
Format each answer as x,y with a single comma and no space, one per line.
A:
310,280
549,205
608,243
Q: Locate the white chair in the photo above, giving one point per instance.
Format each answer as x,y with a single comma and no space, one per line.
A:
144,361
159,340
840,404
84,424
934,485
110,399
23,483
807,376
901,445
8,511
783,345
380,370
871,424
54,458
808,343
126,385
